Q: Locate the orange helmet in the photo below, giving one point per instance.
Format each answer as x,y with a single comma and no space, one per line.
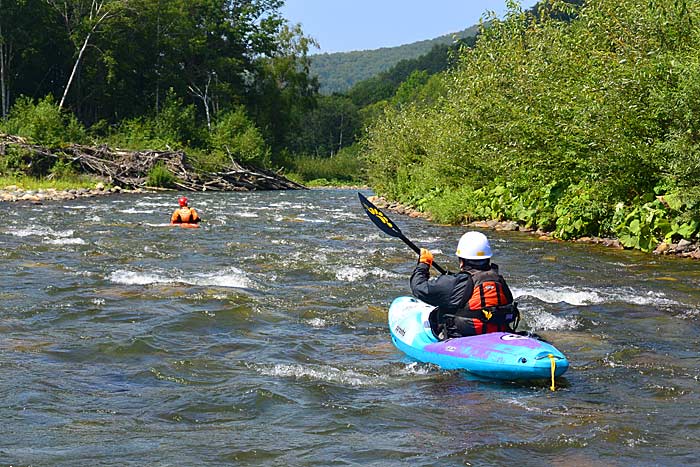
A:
182,201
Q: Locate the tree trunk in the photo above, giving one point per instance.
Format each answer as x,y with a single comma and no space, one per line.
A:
3,88
204,96
93,20
75,69
4,71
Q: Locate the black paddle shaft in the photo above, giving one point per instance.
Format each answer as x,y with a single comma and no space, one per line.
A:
387,226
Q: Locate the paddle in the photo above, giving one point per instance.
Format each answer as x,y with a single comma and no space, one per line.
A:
388,227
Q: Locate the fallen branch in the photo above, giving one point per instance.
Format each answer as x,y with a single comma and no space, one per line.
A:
130,169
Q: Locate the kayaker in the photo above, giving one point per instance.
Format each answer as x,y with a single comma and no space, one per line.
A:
475,300
184,214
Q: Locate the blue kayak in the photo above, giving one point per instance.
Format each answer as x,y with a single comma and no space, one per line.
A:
496,355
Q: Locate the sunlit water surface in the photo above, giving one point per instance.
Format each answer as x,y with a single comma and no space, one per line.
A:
261,339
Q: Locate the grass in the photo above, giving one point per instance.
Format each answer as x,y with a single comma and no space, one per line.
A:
65,183
345,168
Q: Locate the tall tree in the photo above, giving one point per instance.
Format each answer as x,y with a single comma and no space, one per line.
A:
206,51
5,60
83,19
28,50
284,91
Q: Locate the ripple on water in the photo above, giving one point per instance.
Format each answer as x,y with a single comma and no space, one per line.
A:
262,339
229,277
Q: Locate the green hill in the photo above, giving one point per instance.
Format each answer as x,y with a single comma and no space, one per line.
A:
338,72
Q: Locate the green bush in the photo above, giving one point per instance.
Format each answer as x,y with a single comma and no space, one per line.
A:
580,212
652,219
235,137
173,128
160,176
43,123
342,168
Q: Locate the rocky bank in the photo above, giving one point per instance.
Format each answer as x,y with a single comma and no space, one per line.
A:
12,193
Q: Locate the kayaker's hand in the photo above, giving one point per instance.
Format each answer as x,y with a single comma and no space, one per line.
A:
426,257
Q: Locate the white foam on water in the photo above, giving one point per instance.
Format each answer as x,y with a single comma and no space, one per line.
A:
648,298
415,368
65,241
317,323
522,403
76,207
313,221
427,240
318,373
543,321
137,278
230,277
350,274
374,237
345,215
39,231
246,214
137,211
353,274
581,297
560,294
691,313
286,205
280,241
301,257
153,204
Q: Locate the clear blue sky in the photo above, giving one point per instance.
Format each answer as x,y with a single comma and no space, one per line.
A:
345,25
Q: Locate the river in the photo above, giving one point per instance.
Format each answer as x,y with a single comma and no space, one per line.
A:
261,339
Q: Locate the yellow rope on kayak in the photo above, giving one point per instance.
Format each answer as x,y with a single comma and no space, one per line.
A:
554,367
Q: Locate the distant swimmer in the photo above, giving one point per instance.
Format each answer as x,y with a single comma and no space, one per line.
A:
184,214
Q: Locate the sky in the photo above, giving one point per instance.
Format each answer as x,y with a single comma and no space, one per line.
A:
346,25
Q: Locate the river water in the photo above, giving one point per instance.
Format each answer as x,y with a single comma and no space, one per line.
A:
261,339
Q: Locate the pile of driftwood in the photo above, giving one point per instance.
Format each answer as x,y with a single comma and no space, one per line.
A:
130,169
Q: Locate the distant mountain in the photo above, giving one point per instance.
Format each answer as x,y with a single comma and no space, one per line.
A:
338,72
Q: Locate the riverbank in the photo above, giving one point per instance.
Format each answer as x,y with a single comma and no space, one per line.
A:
14,193
683,249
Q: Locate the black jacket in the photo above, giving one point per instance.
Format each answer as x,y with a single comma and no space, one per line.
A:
449,292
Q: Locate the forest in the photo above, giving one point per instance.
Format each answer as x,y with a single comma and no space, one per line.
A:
576,117
340,71
226,79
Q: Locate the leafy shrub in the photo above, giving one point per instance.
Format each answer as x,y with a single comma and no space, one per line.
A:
15,162
344,167
235,135
160,176
651,220
580,212
174,127
43,122
453,206
63,169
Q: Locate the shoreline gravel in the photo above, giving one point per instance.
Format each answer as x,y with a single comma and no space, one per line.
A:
13,193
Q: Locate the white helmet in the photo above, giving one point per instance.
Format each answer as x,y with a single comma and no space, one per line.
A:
474,245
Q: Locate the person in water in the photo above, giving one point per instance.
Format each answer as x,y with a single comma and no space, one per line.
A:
184,214
475,300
